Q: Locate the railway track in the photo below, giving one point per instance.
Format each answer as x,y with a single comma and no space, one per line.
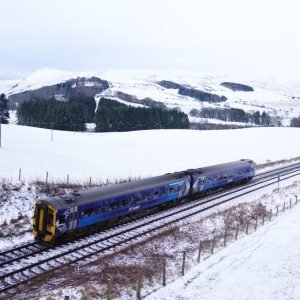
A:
21,265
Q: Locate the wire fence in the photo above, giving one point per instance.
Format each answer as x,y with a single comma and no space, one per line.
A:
186,260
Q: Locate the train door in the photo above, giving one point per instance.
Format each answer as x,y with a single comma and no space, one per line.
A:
73,218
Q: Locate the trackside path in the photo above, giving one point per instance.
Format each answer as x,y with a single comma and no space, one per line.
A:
263,265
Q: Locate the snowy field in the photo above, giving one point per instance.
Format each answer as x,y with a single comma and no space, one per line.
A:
264,265
154,152
134,154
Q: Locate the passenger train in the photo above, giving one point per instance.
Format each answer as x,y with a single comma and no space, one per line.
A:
55,218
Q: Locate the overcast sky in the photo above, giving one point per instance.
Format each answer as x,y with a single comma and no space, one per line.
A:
213,36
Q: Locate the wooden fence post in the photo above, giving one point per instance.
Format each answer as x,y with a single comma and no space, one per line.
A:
47,177
284,206
225,237
139,286
183,263
247,228
255,227
68,179
237,231
108,291
263,220
164,272
213,246
199,252
20,172
296,199
90,181
270,215
290,203
277,210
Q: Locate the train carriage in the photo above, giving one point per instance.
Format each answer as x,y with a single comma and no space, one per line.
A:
54,217
213,177
57,215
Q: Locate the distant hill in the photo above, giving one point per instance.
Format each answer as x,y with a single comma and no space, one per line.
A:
183,91
238,87
63,91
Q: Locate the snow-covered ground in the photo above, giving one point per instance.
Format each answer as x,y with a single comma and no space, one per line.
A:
264,265
154,152
276,98
270,252
134,154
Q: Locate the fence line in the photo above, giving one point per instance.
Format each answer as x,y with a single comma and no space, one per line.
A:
216,244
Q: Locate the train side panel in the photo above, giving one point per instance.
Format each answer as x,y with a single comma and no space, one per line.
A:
113,208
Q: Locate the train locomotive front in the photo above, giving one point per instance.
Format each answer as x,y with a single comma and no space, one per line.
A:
44,220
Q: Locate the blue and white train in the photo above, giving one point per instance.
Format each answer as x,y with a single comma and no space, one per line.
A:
55,217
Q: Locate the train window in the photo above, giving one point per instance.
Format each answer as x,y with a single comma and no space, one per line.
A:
114,205
135,201
171,190
162,193
125,202
88,212
75,217
147,197
71,217
61,219
103,209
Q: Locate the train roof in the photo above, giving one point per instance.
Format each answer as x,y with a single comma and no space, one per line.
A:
100,193
222,167
106,192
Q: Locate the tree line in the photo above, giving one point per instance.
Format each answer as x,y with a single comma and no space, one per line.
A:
114,116
295,122
110,115
53,114
233,115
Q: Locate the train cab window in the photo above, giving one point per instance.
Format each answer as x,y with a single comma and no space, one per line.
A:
171,190
50,219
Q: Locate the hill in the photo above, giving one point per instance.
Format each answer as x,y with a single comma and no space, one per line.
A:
188,90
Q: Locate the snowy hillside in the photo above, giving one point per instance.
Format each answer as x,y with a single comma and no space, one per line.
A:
275,98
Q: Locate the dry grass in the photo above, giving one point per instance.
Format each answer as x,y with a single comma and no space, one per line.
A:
277,162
